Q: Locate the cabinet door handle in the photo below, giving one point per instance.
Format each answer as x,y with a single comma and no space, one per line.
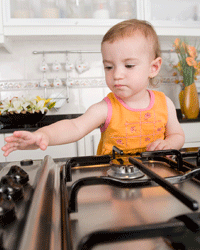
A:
92,142
77,151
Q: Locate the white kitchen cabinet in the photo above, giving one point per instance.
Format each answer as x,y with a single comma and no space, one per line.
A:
92,141
61,151
2,158
84,147
88,145
192,134
4,42
169,17
63,24
1,21
191,130
173,17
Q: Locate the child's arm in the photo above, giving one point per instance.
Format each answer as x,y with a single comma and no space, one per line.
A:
174,138
62,132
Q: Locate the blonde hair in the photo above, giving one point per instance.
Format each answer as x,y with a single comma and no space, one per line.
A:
130,27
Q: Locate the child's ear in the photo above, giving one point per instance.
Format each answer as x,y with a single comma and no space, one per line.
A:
155,67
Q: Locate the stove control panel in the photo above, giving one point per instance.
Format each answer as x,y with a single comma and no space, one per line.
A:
11,191
29,204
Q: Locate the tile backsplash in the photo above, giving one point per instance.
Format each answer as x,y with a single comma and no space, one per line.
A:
23,65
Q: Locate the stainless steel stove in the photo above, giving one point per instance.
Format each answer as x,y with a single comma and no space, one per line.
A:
146,201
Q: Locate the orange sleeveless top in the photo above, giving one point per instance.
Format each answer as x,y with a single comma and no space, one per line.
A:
132,130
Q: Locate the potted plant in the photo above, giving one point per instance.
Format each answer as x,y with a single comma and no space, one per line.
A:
24,110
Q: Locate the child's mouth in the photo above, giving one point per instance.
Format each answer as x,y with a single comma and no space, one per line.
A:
118,86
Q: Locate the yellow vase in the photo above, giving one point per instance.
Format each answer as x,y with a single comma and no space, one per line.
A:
181,95
190,102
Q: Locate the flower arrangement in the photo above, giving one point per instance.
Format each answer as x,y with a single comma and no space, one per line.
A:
188,67
25,105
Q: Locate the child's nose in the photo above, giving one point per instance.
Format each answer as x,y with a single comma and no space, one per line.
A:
118,73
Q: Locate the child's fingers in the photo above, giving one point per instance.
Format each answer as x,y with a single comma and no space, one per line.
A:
152,146
9,150
26,135
43,146
18,136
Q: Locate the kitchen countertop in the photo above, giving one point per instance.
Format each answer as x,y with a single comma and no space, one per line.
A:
49,119
185,120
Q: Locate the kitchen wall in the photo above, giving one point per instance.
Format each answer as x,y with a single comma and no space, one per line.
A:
22,64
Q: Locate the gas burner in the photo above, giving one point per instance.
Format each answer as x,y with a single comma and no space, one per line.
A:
124,171
121,168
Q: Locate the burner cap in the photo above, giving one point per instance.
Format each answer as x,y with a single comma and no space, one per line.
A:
125,172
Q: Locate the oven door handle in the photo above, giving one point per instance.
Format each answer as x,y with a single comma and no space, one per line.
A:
188,201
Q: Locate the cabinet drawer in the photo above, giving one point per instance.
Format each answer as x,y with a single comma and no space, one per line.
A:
192,134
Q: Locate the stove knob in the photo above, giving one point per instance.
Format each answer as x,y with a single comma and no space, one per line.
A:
7,210
18,174
11,188
26,162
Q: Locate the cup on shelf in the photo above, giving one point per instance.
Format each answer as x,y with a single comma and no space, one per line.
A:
69,66
69,82
57,82
76,9
81,66
44,82
22,9
1,85
101,9
44,66
50,9
124,9
56,66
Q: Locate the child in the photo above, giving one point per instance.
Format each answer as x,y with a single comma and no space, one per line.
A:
131,117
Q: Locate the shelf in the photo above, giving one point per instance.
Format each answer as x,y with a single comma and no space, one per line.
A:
19,85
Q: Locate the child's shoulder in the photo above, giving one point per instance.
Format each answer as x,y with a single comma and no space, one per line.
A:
155,95
157,92
110,95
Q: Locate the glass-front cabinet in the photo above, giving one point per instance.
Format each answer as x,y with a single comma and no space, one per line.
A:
67,17
174,11
87,9
174,17
95,17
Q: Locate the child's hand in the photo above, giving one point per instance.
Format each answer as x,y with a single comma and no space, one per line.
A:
158,145
21,140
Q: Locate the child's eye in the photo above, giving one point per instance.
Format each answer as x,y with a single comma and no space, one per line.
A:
129,66
108,67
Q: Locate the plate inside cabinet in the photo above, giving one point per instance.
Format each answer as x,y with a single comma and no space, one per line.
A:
59,98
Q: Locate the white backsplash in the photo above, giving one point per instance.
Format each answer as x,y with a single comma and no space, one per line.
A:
22,64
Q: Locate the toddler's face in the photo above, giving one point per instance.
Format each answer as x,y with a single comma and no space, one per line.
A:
128,65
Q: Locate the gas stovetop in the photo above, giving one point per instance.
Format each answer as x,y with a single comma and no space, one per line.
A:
145,201
109,208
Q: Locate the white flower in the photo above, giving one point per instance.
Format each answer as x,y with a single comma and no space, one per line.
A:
16,105
40,106
6,104
28,103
